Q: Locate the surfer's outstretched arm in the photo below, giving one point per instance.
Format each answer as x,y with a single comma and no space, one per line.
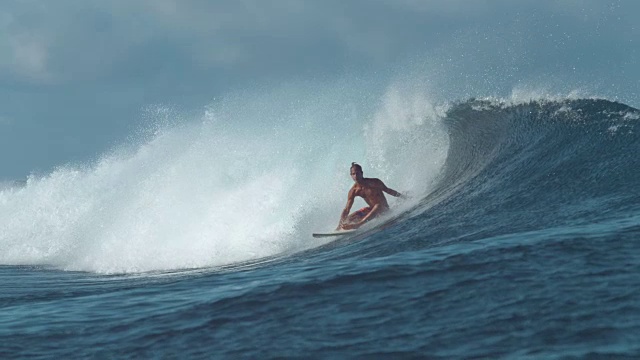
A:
347,208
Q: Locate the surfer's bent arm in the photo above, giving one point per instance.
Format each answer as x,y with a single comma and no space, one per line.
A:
375,210
389,191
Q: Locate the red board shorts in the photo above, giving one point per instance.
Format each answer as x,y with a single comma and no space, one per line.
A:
360,214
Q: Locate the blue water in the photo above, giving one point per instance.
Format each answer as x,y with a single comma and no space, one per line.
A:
523,243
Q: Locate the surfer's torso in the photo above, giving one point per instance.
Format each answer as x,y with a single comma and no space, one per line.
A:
371,191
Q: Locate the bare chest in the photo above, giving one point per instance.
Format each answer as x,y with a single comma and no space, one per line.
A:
367,192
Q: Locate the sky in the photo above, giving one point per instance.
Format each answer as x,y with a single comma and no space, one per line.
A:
77,75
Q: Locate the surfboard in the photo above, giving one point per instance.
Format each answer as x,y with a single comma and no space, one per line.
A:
333,233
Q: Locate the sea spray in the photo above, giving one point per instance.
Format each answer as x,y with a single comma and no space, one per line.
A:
250,177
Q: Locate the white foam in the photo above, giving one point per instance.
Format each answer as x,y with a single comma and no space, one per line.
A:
406,139
252,177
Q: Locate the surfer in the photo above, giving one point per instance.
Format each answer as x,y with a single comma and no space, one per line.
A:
371,190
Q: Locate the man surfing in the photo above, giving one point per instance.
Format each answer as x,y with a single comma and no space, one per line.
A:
371,190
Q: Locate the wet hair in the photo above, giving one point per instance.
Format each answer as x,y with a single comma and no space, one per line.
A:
356,166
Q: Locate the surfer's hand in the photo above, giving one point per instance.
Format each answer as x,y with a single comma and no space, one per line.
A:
349,226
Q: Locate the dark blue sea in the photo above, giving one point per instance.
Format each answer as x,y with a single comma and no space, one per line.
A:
523,242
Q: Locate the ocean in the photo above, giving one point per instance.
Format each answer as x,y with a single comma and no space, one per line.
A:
520,239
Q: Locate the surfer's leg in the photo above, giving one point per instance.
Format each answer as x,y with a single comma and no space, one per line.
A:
375,211
357,220
358,215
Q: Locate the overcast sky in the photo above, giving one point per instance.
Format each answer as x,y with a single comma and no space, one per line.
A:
76,74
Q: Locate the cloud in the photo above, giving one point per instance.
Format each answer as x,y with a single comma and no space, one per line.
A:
30,57
24,54
67,41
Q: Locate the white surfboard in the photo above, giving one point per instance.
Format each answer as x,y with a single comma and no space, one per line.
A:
333,233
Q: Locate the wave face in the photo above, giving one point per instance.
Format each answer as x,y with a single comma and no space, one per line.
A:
526,167
539,164
210,194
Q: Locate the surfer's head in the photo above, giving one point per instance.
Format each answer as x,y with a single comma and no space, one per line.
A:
356,172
